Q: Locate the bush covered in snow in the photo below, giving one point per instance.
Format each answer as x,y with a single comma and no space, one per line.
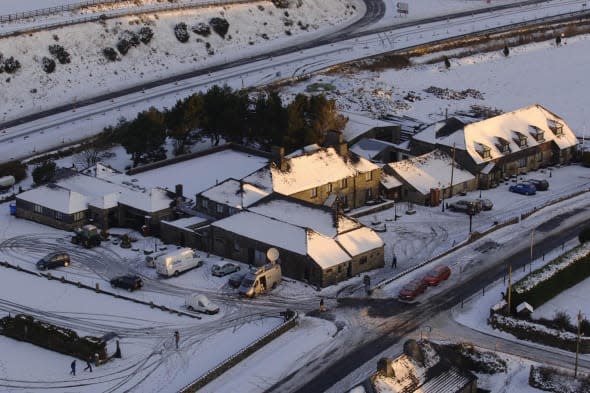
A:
201,29
123,46
146,34
48,64
11,65
466,356
130,36
287,3
59,53
181,32
110,54
552,380
219,25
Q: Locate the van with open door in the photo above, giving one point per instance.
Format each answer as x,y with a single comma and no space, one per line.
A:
261,280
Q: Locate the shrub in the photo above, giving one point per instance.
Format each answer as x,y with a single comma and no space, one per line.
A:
146,34
585,155
584,235
181,32
44,172
110,54
123,46
11,65
14,168
130,36
287,3
562,321
219,25
201,29
48,64
59,53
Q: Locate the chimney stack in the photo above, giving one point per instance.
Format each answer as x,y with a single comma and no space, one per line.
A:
336,140
278,157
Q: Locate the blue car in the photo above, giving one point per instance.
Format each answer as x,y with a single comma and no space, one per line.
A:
523,188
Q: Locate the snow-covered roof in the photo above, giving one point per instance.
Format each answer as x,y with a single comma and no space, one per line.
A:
234,193
359,241
107,201
186,223
369,148
56,198
151,201
308,171
318,219
265,229
357,125
506,129
304,150
431,170
389,181
324,250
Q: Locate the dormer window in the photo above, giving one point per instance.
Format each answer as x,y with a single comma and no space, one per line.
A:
503,145
483,150
537,133
520,139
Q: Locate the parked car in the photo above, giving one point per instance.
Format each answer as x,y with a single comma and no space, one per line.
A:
224,270
523,188
465,205
200,303
53,260
484,204
437,275
540,185
128,282
412,289
236,279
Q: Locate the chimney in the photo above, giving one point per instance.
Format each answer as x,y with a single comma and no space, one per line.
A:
384,366
178,191
278,157
336,140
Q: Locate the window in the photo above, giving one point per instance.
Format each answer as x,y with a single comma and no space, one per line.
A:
38,209
232,211
79,216
58,216
540,156
236,245
339,268
363,261
344,200
522,163
329,187
368,176
343,183
204,203
219,208
314,192
369,194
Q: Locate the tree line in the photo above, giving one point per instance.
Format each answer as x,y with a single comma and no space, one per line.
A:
221,113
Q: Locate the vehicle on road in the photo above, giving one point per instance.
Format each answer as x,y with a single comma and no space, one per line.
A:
484,204
87,236
150,259
523,188
412,289
200,303
178,261
465,205
224,270
53,260
261,279
540,185
437,275
129,282
235,280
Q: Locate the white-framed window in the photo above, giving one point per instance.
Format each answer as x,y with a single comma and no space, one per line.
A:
329,187
314,192
204,203
219,208
368,176
343,183
78,216
38,209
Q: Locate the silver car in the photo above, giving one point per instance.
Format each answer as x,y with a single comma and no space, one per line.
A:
484,204
224,270
464,205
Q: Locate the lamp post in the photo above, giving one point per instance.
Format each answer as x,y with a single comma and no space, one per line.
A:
531,257
578,344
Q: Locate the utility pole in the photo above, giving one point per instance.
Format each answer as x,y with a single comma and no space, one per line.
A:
531,259
578,344
509,287
452,172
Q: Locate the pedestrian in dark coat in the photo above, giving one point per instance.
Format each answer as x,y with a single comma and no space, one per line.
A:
73,367
88,366
176,338
394,262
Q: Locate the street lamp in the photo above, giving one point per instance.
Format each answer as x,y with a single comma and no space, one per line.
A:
531,258
578,344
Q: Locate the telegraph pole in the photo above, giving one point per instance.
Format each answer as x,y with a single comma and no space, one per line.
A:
509,287
452,171
578,344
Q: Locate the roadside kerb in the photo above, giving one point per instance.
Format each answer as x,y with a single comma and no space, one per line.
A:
230,362
78,284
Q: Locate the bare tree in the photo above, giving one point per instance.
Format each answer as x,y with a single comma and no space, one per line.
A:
88,156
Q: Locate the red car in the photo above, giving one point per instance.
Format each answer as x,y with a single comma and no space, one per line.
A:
412,289
437,275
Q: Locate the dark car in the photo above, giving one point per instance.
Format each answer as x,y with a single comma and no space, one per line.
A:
540,185
224,270
236,279
412,289
53,260
465,205
128,282
523,188
437,275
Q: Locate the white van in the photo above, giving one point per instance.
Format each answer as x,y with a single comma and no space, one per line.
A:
200,303
150,259
175,262
260,280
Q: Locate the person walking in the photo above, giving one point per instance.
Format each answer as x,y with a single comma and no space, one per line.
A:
88,366
394,262
73,367
176,338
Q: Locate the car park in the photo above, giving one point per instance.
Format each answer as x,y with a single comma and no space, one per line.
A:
412,289
53,260
465,205
540,185
129,282
523,188
224,270
200,303
437,275
236,279
484,204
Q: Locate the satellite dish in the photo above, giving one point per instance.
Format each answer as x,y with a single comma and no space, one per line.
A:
272,254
